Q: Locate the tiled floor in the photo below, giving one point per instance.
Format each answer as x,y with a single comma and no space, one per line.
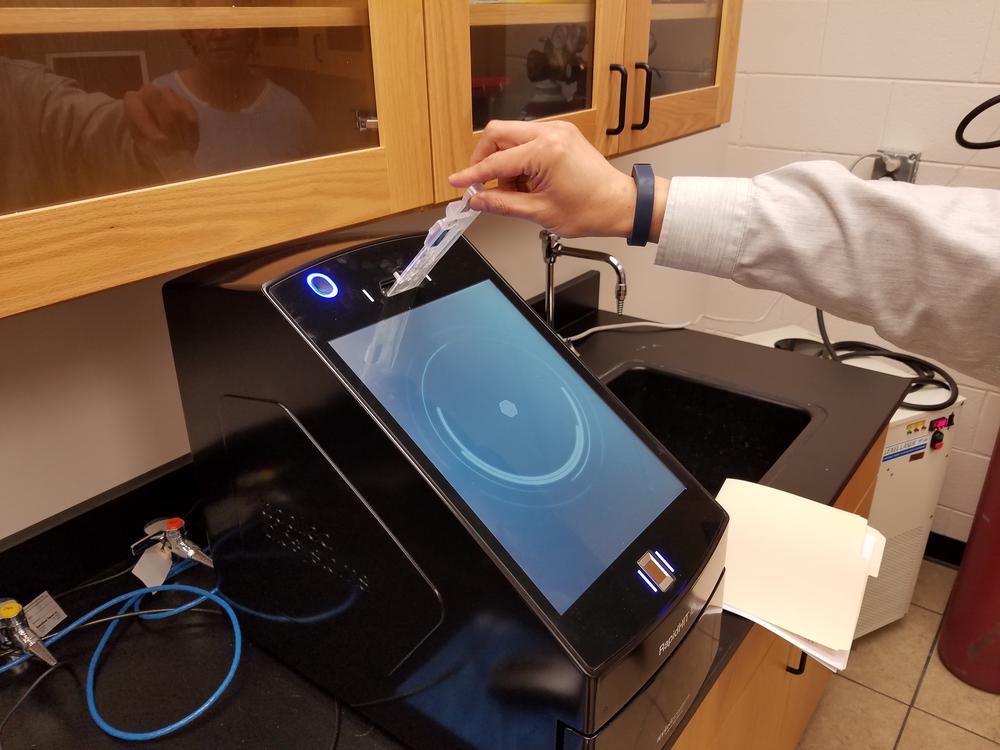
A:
896,695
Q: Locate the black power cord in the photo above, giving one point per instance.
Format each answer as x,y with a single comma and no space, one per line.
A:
337,722
925,373
451,671
95,582
967,120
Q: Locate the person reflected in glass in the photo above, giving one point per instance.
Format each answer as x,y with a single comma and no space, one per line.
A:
245,119
60,143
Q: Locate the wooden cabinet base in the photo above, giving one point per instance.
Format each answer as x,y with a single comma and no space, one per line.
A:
757,703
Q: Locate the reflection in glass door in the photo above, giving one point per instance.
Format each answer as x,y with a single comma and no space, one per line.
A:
144,96
683,45
531,59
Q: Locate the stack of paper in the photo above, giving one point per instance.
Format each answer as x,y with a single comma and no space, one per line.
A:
798,567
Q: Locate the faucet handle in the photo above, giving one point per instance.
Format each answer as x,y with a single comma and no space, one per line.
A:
169,534
164,540
550,246
180,545
16,632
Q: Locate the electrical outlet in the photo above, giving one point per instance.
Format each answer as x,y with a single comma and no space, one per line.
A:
900,166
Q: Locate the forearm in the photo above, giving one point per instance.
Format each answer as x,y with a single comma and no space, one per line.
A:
920,263
87,138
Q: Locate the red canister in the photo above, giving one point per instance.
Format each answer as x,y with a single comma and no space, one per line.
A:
970,636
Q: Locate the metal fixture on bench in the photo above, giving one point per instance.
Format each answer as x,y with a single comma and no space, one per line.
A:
552,248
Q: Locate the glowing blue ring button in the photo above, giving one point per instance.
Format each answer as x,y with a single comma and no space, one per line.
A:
322,284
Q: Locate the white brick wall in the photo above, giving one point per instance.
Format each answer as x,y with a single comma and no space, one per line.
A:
834,79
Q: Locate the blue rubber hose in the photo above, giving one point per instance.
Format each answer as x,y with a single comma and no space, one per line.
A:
133,600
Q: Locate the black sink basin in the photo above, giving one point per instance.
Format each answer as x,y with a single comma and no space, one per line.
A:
714,432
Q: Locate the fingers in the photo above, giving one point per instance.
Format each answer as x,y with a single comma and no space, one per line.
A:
162,103
548,172
506,165
508,203
511,135
141,120
184,119
162,117
503,134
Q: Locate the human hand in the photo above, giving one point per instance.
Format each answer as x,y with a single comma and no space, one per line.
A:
550,174
162,119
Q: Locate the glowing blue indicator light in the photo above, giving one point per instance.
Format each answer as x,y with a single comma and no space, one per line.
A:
322,284
648,581
663,560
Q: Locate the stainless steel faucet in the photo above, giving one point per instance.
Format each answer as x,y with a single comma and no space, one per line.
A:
552,248
15,632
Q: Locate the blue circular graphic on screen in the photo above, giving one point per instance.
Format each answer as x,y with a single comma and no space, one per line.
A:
322,284
528,432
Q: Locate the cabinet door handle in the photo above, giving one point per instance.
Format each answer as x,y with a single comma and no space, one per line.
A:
802,665
316,54
649,92
622,99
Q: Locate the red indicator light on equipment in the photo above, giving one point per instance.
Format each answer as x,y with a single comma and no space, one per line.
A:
937,424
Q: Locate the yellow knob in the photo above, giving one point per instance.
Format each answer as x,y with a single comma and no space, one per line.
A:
10,608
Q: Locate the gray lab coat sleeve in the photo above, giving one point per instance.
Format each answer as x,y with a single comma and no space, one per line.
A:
920,263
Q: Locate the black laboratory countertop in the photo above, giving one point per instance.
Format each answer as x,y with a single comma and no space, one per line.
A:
152,677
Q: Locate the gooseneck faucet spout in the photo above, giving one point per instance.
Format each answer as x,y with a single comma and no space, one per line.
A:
552,248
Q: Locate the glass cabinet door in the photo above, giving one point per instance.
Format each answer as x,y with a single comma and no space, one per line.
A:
529,62
683,55
520,60
683,45
245,125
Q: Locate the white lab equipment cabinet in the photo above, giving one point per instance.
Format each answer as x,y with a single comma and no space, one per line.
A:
914,461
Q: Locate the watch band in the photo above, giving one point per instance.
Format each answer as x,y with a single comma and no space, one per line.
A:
645,188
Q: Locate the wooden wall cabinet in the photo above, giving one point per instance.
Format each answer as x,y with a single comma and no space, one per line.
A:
431,71
58,252
660,69
757,703
690,50
506,35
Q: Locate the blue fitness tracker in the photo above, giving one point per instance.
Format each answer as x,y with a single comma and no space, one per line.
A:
645,188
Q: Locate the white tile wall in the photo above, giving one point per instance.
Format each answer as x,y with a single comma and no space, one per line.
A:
782,36
734,128
989,423
747,161
95,406
952,523
844,115
922,39
975,177
965,430
964,480
835,79
991,64
923,116
930,173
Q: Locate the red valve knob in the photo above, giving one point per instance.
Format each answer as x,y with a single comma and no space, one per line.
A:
173,524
